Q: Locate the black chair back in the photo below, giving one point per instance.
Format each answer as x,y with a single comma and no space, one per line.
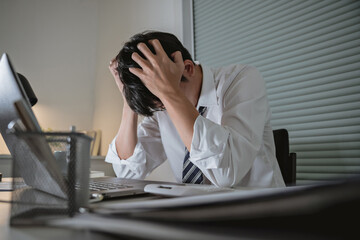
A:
286,160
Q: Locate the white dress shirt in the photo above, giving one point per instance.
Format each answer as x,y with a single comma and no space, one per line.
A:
232,143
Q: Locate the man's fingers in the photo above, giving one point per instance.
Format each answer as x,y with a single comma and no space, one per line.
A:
157,46
112,67
137,72
146,51
139,60
140,74
112,61
177,56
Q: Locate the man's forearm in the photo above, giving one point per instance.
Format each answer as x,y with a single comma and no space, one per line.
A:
126,137
183,115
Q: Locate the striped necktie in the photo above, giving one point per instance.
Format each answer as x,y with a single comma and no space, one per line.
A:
191,173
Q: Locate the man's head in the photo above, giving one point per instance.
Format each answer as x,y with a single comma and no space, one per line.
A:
138,97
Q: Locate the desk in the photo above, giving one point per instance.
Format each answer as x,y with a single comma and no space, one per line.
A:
42,232
55,233
319,212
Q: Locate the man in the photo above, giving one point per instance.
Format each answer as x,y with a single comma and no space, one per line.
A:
229,143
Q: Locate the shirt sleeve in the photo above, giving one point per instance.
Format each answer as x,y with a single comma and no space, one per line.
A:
225,152
148,153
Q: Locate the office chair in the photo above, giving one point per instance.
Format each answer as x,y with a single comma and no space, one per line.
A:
286,160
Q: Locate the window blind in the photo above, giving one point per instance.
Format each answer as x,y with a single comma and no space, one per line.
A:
309,55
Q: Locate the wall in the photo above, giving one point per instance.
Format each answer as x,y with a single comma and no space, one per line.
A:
53,43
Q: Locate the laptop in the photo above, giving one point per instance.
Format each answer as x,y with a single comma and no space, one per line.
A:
112,187
14,105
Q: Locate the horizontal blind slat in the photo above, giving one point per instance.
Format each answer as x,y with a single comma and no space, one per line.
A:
320,124
308,112
346,57
313,69
281,106
344,138
329,169
325,146
310,177
324,87
330,154
340,78
329,162
317,118
340,130
296,53
318,96
289,78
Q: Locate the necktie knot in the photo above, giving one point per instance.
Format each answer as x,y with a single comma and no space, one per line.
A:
202,110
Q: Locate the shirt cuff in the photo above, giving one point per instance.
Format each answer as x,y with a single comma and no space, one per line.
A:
135,164
208,144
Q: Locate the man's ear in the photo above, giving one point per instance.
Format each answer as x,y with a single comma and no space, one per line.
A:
189,68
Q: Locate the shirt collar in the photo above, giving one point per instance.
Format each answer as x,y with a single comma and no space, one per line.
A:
208,92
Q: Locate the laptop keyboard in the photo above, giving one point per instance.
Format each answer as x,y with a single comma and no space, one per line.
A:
101,186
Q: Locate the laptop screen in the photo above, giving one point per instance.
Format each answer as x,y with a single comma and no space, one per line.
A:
29,166
11,91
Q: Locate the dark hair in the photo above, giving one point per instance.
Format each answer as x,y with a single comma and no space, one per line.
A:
139,98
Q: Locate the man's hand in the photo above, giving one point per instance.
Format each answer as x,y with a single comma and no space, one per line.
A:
158,72
113,69
114,72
